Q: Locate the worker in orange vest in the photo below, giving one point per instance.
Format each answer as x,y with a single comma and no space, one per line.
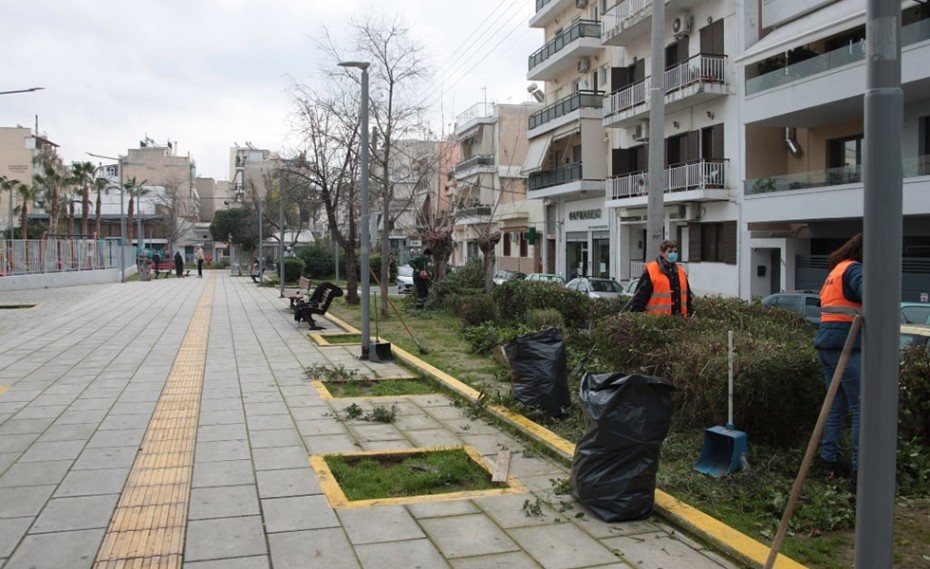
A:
840,301
663,286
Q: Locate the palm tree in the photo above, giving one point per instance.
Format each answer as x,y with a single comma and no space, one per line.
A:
82,174
27,193
8,185
100,185
51,178
133,190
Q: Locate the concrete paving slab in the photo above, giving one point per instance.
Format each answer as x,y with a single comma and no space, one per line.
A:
23,500
287,483
280,458
223,473
375,432
600,529
432,438
17,426
400,555
17,443
11,531
442,509
67,514
71,549
226,417
467,536
330,444
59,450
125,438
260,562
298,513
378,525
563,546
326,426
110,457
216,451
509,512
223,538
233,403
120,422
212,433
73,417
93,482
35,473
274,438
657,551
513,560
68,432
90,404
315,549
223,502
270,408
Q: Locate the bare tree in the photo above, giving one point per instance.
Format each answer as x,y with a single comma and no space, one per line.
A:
170,203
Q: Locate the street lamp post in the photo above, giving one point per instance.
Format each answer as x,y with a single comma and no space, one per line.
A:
122,215
364,213
29,90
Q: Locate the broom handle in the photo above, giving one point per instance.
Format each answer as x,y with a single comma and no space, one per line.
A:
729,379
815,440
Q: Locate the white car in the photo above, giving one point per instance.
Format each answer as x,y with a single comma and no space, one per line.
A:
404,279
596,287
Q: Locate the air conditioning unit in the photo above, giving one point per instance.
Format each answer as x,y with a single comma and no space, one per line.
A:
640,132
682,24
584,64
689,212
581,4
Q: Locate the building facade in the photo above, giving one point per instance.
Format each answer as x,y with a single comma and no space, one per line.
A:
18,146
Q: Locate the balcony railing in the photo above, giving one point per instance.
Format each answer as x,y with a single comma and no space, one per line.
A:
580,29
910,34
701,68
913,167
540,4
475,111
571,103
615,18
480,160
704,174
561,175
475,211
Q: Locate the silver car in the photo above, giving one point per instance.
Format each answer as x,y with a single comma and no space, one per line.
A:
596,287
404,279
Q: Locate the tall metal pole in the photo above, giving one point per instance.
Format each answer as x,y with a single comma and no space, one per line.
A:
122,222
365,237
261,256
655,210
281,225
882,232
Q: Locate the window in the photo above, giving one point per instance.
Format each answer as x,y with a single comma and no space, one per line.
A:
812,307
524,246
507,239
844,152
712,242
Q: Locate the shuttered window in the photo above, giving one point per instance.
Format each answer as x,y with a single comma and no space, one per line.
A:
712,242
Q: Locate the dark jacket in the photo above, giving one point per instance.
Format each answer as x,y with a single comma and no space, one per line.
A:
644,290
832,335
419,263
178,261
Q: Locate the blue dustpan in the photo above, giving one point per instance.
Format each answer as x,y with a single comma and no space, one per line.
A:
725,449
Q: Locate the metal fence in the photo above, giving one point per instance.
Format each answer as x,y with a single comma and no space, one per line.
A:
37,256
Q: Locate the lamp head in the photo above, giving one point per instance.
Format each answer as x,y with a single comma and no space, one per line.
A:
363,65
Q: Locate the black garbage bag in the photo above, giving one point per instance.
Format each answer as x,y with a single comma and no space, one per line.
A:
615,463
539,369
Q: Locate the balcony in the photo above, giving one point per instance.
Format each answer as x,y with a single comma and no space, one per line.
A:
563,181
625,19
568,109
546,10
704,180
700,78
474,165
913,167
561,53
473,116
834,59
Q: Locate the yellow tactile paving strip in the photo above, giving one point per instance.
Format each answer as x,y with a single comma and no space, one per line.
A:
147,530
4,389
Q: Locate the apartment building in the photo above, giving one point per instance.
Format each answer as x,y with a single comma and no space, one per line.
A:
161,166
490,189
249,169
801,83
18,145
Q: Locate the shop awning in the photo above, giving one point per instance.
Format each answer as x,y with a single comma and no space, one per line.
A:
536,153
565,132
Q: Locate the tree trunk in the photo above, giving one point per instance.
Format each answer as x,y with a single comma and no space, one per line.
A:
85,206
71,218
385,231
487,244
351,269
129,222
23,220
53,212
97,227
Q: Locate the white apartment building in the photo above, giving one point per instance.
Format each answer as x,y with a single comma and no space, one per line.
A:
801,83
491,191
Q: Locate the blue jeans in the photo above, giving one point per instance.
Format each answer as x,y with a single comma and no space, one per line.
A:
847,399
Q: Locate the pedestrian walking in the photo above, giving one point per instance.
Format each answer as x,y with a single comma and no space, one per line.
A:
178,264
145,269
422,265
840,302
663,286
198,254
156,261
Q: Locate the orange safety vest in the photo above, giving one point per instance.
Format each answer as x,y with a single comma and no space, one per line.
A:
834,307
661,300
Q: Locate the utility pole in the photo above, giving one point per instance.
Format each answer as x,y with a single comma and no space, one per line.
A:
281,225
882,237
261,255
655,208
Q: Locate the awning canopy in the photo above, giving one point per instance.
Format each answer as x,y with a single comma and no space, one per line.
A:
536,153
565,131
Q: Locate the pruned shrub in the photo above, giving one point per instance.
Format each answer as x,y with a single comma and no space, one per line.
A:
319,260
477,309
544,318
482,338
293,268
468,278
516,298
914,396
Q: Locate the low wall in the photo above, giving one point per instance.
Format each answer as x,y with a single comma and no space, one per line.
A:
57,280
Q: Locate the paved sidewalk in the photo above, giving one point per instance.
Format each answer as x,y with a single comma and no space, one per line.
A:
87,370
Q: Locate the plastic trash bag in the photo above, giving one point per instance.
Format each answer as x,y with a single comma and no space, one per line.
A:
616,461
539,370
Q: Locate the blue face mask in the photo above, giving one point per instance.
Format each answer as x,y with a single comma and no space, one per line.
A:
673,257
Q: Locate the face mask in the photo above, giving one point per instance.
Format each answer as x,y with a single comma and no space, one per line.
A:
673,257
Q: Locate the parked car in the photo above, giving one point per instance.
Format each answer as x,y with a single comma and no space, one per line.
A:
915,313
596,287
630,287
915,335
500,277
404,279
545,278
806,302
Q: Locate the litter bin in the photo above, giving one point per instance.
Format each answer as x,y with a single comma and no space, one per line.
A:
615,463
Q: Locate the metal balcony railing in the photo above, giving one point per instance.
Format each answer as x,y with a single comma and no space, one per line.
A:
701,68
913,167
475,111
565,105
475,211
702,174
910,34
616,17
579,29
472,162
540,4
561,175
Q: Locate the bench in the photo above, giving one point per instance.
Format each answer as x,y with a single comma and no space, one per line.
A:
303,289
318,303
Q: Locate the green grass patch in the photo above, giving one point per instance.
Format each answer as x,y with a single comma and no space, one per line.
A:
379,388
343,338
405,475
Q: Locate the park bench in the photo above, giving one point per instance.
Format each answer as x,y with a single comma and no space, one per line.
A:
303,289
318,303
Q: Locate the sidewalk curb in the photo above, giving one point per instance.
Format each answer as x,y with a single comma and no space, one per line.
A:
726,539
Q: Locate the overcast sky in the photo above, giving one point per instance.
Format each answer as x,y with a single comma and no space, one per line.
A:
211,73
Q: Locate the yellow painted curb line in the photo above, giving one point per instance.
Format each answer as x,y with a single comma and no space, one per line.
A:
338,500
320,339
4,389
733,542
